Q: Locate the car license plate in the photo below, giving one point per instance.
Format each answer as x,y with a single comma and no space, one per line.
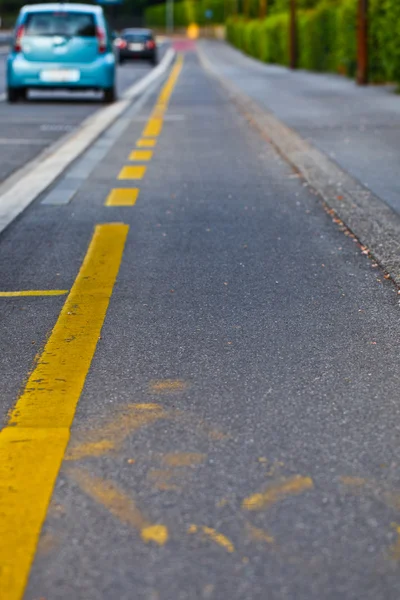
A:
135,46
60,75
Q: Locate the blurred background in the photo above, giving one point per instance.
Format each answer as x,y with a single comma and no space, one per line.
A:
325,31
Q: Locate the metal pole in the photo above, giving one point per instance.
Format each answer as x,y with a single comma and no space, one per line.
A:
362,43
293,35
170,16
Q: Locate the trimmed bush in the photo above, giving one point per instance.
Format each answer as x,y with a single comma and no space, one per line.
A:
347,37
186,12
327,37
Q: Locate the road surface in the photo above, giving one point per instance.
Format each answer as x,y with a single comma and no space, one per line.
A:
27,129
226,361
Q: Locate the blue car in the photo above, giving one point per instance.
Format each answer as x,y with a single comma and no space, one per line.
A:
61,46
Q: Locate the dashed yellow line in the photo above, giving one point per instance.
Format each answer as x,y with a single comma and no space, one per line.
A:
141,155
33,293
155,123
122,197
153,127
132,172
33,443
146,143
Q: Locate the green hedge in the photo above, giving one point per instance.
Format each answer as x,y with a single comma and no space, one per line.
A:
327,36
266,40
186,12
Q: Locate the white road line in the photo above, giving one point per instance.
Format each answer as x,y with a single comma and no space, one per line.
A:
32,181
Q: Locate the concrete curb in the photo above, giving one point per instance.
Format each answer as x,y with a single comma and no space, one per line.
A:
373,222
21,188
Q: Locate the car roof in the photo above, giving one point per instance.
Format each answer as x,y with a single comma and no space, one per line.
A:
137,30
62,6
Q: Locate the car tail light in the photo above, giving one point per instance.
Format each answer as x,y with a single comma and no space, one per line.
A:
121,44
101,39
18,38
150,44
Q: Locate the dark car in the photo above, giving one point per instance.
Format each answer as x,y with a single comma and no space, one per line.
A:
136,44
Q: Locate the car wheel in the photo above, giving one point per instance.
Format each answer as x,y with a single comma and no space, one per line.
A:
121,61
154,61
109,95
13,95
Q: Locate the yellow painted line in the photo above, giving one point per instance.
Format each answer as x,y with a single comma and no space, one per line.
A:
215,536
155,123
153,128
119,504
168,385
395,548
33,293
33,443
258,535
278,491
145,143
141,155
112,434
122,197
183,459
132,172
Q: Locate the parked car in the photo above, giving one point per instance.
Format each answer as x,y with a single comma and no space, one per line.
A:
61,46
137,44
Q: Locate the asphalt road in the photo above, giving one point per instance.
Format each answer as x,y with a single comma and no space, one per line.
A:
355,126
237,434
26,129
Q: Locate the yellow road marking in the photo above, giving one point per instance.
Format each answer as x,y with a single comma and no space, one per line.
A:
183,459
155,123
168,385
258,535
153,127
33,293
274,493
122,197
111,435
395,548
119,504
33,443
143,143
161,479
141,155
353,481
132,172
214,535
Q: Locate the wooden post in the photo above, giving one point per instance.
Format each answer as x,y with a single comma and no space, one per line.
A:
263,9
293,35
362,43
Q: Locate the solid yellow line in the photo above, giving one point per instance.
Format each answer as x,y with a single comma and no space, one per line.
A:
132,172
33,443
143,143
33,293
141,155
122,197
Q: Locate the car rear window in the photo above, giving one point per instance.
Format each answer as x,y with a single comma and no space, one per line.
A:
61,23
137,37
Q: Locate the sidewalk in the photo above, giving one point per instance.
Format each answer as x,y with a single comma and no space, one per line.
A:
356,127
